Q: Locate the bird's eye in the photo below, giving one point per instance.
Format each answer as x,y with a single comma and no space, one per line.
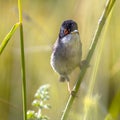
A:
66,31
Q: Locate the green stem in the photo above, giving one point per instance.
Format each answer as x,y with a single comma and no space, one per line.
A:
20,10
23,73
22,62
101,23
7,37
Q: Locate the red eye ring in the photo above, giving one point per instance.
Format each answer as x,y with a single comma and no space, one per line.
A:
66,31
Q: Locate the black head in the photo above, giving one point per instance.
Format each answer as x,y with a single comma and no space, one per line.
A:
67,27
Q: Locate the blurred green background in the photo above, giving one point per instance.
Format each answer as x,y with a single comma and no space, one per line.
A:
42,20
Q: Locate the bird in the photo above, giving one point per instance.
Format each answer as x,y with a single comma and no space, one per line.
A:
67,51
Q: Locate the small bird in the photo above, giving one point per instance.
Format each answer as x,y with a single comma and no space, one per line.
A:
67,51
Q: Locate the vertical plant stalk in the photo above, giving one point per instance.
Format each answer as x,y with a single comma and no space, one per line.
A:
23,73
102,20
22,62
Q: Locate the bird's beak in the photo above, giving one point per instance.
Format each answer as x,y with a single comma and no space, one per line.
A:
75,31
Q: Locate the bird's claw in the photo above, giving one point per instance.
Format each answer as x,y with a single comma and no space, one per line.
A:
84,63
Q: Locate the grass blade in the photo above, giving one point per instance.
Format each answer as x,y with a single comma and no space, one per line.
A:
8,37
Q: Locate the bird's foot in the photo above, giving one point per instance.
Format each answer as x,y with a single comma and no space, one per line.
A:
84,63
73,93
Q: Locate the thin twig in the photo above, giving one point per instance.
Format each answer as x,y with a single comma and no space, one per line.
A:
102,20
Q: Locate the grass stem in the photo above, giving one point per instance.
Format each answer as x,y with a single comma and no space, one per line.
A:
23,74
